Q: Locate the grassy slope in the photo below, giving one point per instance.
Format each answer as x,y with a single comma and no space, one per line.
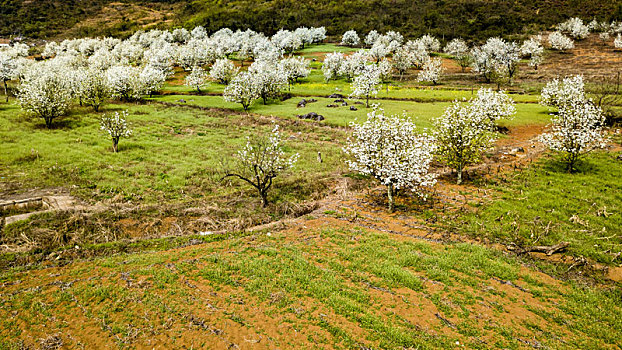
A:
545,205
312,286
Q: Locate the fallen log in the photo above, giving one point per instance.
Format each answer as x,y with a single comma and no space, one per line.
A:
547,249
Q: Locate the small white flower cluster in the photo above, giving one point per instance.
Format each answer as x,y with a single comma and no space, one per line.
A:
617,43
389,149
116,127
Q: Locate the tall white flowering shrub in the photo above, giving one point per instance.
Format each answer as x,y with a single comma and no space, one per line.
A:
223,70
563,92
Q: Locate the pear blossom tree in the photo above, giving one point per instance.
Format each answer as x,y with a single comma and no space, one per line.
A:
460,137
431,43
260,161
8,70
558,93
197,78
389,149
575,27
402,61
378,51
331,67
366,83
350,38
460,51
432,71
353,65
386,70
294,68
150,80
269,79
577,129
45,93
617,43
533,50
560,42
94,88
124,82
223,70
241,90
116,127
491,106
371,38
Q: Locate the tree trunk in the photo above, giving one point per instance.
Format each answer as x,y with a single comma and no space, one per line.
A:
6,91
390,196
115,145
264,199
459,175
48,122
367,105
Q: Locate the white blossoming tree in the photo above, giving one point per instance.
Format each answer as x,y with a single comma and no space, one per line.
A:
577,129
617,43
241,90
94,89
151,79
260,162
45,93
366,83
460,51
294,68
332,65
563,92
460,137
575,27
533,50
389,149
402,61
560,42
197,78
432,71
350,38
116,127
491,106
223,70
269,79
125,82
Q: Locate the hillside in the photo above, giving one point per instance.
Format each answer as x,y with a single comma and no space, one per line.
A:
467,18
